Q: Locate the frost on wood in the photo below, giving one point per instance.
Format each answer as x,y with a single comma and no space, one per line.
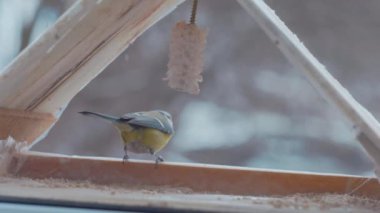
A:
186,57
8,148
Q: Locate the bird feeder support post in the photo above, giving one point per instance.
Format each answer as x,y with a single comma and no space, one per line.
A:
366,126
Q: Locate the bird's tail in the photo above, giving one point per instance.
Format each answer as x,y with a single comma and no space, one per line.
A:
100,115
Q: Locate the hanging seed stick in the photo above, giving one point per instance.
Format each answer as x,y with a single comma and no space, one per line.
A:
186,55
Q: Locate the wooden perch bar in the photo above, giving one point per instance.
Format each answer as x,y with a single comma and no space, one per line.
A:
367,127
88,37
200,178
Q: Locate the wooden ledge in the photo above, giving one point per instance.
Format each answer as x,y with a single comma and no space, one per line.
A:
24,125
199,178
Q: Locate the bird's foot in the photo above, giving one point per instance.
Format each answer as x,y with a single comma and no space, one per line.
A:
125,158
159,159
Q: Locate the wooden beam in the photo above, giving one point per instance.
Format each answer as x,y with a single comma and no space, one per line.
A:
200,178
60,193
24,126
366,127
88,37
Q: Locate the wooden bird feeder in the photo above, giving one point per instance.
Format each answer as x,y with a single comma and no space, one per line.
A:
41,81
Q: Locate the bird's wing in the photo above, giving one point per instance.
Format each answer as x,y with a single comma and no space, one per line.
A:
151,119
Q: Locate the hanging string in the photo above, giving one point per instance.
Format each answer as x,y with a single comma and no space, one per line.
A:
194,12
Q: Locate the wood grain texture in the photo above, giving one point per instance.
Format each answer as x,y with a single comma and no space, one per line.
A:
58,192
199,178
23,126
53,69
88,37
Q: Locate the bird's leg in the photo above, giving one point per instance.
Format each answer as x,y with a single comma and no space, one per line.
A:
159,158
125,157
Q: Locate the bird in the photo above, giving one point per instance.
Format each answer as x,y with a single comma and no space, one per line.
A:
141,132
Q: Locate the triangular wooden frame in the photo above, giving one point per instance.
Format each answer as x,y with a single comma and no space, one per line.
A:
50,72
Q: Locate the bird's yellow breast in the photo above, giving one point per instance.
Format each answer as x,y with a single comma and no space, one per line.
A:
151,138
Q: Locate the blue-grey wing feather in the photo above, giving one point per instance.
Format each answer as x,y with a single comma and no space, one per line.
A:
149,120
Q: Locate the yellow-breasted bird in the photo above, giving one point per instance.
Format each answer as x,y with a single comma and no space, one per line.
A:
142,132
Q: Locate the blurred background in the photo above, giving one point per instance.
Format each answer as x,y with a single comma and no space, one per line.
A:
254,109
